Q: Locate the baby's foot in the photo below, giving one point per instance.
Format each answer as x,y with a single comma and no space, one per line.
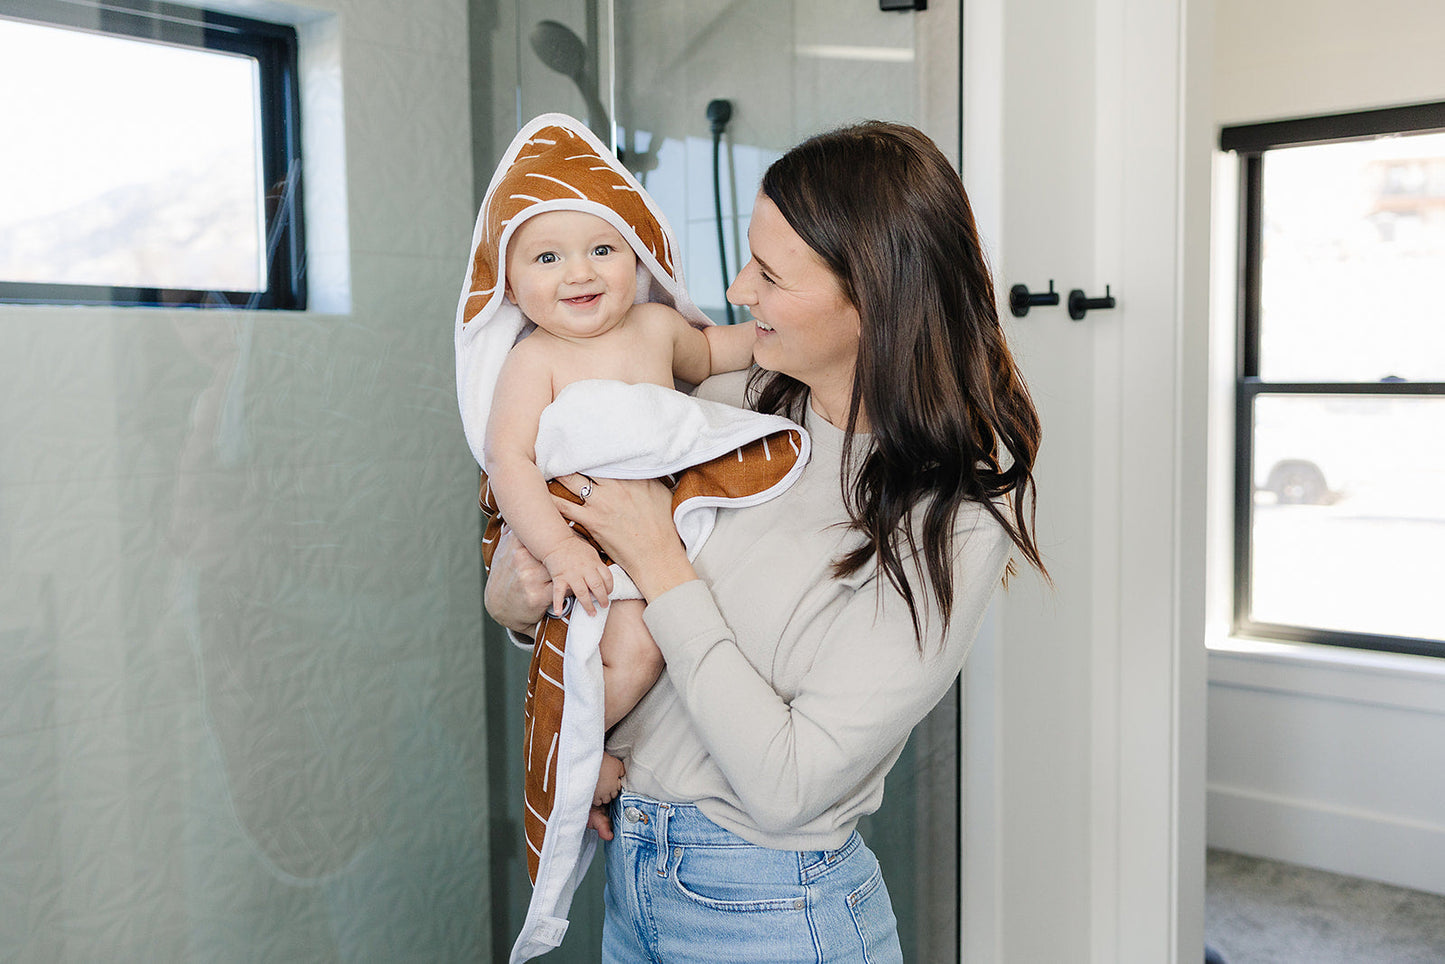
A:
609,780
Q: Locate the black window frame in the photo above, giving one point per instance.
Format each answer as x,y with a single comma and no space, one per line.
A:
275,48
1250,142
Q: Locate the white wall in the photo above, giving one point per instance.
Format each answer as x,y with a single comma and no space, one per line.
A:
1318,756
1290,58
240,710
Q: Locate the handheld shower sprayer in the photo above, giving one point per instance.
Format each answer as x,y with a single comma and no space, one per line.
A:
563,51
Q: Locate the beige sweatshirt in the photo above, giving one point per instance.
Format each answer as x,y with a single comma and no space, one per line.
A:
789,694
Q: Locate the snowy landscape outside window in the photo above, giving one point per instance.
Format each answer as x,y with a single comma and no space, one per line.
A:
151,157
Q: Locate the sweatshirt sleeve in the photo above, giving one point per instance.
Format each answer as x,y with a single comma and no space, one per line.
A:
791,759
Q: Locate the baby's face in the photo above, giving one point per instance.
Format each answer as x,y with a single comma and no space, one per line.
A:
571,273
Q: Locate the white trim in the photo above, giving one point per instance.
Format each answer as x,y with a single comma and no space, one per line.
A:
1328,757
1344,840
1392,680
982,164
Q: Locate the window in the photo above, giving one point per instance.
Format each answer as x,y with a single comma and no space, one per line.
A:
151,157
1340,391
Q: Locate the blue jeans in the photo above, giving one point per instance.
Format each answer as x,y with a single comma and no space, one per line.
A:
682,889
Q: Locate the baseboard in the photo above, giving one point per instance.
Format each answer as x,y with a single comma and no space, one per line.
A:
1357,843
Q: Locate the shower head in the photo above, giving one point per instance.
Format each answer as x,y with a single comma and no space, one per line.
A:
563,51
559,48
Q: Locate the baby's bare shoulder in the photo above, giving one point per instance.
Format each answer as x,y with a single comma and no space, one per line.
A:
531,352
656,316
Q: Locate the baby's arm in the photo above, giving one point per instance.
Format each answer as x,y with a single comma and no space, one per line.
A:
730,346
696,354
524,388
631,661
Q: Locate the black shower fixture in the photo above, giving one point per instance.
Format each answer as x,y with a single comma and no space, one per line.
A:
719,112
562,50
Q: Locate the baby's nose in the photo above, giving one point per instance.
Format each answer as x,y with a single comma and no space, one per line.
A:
579,269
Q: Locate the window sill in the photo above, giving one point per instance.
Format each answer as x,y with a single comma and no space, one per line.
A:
1328,672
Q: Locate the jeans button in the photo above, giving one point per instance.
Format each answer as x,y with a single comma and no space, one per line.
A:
632,814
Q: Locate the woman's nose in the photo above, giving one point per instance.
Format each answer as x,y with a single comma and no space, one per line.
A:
740,291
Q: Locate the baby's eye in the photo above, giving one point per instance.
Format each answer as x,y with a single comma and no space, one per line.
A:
546,257
602,250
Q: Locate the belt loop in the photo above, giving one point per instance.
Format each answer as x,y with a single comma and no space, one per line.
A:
664,811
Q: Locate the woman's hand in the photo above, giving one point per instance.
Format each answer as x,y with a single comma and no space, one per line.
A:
518,587
632,521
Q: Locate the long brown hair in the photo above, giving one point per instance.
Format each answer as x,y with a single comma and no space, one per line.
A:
950,417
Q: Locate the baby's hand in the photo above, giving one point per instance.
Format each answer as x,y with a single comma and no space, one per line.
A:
577,570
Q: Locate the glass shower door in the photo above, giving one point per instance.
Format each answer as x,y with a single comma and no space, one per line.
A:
642,74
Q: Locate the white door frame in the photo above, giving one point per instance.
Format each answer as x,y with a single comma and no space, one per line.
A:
1124,881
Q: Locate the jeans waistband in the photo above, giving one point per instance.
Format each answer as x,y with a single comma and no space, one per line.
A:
669,825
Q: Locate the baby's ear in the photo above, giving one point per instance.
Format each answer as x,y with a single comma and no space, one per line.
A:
507,292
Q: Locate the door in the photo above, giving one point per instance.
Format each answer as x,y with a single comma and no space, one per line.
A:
647,76
1084,154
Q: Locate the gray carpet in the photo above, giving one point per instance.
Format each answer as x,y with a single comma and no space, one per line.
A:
1262,912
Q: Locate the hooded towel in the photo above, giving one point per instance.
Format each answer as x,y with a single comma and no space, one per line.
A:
718,455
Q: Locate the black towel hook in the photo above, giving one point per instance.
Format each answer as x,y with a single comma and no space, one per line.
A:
1020,300
1079,303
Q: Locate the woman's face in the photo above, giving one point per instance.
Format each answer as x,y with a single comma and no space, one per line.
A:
806,327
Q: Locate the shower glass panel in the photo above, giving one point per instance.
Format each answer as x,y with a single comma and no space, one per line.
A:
642,74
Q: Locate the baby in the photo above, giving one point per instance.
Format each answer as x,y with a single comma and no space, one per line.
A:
575,277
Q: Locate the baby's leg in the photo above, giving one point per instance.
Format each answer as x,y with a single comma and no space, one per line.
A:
631,661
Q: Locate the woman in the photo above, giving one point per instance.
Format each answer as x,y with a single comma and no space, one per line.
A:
814,631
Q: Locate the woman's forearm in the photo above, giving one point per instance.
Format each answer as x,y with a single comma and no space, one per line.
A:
655,572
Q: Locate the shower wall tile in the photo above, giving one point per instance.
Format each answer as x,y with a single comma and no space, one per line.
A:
436,27
61,544
667,177
241,686
30,862
831,90
57,413
741,168
704,273
745,56
410,191
415,297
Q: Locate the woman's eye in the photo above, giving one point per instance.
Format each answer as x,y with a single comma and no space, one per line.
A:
766,278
